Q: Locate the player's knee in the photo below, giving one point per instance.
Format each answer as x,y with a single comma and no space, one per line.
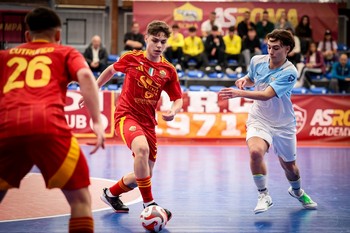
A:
256,154
142,151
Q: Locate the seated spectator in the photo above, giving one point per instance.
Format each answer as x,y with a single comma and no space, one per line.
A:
294,56
245,25
250,46
193,49
175,43
328,46
340,82
134,39
264,26
304,32
215,49
282,22
207,25
96,55
233,44
314,65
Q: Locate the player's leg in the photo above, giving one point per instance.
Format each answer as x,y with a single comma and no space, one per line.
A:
63,165
258,142
285,148
81,216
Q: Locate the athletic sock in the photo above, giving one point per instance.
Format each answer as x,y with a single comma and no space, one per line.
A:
296,186
118,189
260,182
145,187
81,225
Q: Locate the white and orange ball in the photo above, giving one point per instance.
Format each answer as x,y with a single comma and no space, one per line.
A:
154,218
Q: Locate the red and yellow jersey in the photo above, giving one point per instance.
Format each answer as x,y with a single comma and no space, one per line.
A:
33,85
143,84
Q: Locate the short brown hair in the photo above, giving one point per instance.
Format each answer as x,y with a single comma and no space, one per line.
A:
285,37
155,27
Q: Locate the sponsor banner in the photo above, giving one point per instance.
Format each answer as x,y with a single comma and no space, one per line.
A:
12,26
79,119
322,15
323,117
319,117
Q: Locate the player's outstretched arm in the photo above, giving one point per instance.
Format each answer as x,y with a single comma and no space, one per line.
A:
89,91
175,108
105,76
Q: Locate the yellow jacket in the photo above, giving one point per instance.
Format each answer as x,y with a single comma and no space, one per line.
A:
193,46
233,45
176,42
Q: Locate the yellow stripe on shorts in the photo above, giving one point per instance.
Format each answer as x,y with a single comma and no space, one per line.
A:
121,127
65,172
4,185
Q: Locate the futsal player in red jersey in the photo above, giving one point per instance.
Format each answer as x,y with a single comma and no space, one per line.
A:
33,129
147,74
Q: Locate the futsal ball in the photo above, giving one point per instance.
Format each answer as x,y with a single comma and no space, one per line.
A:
154,218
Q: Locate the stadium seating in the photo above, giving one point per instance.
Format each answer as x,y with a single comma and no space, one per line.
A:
112,58
73,86
216,88
197,88
216,75
195,74
112,87
300,90
318,90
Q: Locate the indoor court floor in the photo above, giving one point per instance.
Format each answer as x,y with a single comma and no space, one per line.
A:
207,188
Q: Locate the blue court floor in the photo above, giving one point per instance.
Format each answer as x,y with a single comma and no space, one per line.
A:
210,189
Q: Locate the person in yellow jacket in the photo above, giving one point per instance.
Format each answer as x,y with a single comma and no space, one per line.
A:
233,43
194,50
175,44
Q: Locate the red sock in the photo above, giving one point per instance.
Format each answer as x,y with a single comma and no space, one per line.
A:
81,225
119,188
145,187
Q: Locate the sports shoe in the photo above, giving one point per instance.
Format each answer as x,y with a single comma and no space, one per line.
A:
114,202
168,213
305,199
264,203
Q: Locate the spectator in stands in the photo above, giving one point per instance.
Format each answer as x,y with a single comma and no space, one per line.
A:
207,25
282,22
134,39
250,46
233,44
264,26
294,56
314,65
96,55
328,46
215,49
340,75
174,51
193,49
304,32
245,25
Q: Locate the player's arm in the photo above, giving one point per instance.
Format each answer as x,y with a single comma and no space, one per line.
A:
105,76
89,91
268,93
175,108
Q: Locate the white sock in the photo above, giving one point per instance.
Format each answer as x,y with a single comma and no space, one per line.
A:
260,182
296,186
109,193
148,203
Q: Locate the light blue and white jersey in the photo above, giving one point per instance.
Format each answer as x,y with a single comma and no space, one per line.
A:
277,111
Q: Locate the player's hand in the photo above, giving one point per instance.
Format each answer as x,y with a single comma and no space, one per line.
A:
100,137
228,93
81,102
168,115
241,83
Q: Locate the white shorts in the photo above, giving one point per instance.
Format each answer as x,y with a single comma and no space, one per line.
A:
283,139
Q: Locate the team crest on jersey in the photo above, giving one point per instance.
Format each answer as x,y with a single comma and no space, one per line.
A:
162,73
151,71
132,128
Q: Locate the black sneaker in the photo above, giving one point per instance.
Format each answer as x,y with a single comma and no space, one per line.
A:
114,202
168,213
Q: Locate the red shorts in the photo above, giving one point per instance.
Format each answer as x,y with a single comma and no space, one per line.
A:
59,158
128,129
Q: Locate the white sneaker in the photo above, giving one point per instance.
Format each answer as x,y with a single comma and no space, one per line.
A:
178,67
229,71
208,68
304,199
264,203
218,68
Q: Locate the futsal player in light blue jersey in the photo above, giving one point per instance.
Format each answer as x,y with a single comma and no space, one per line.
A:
271,119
